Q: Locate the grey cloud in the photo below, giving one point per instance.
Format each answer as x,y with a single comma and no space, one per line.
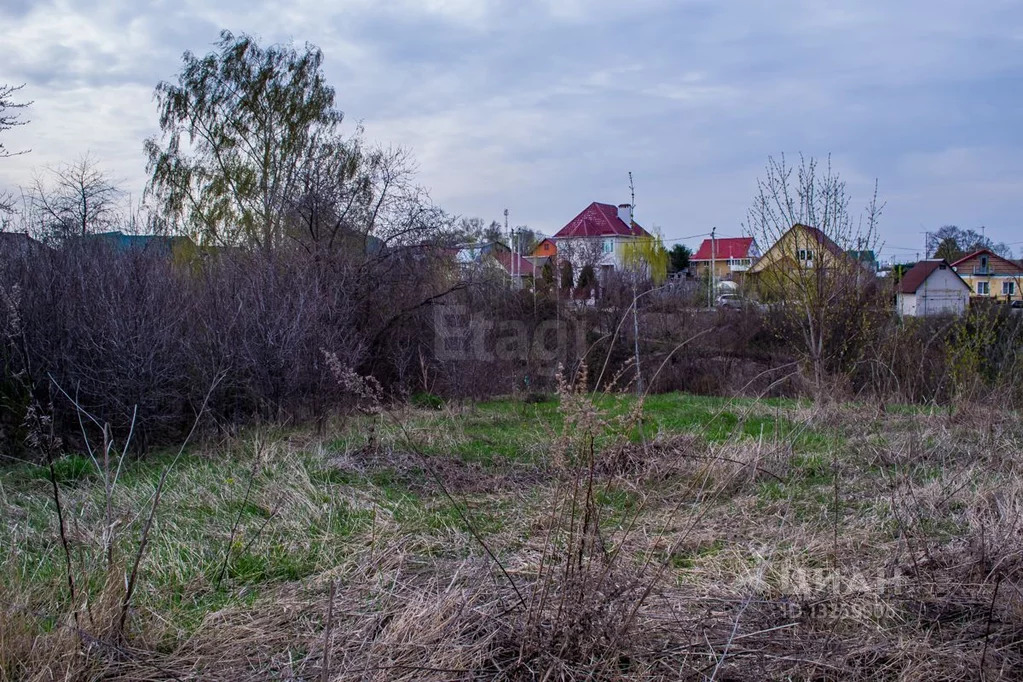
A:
541,106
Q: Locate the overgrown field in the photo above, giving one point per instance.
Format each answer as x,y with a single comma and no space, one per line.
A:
683,538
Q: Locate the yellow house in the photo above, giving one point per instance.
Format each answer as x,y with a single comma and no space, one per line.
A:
801,254
991,276
802,247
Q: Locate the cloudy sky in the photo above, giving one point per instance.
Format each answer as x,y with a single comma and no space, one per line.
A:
542,106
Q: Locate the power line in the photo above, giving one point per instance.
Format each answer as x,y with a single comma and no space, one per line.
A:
692,236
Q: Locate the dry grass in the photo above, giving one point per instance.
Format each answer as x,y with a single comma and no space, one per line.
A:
887,546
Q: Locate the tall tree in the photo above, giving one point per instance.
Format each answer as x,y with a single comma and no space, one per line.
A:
237,128
954,240
643,258
821,297
351,196
646,258
949,249
75,199
526,239
678,258
476,230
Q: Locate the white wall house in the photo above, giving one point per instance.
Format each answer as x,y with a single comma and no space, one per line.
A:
932,287
597,236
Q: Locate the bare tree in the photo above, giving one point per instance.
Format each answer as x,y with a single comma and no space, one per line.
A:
820,287
10,117
581,253
75,199
10,114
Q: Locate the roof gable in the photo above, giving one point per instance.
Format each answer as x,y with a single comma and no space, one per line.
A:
523,267
797,237
818,237
545,247
992,257
914,278
600,220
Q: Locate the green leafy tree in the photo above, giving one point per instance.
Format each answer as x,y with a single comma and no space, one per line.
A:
566,275
546,282
587,277
952,242
646,256
678,258
949,249
526,239
236,129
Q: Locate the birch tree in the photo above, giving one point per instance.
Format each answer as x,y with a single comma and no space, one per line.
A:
237,128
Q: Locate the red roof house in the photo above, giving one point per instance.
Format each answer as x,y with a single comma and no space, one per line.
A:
725,249
730,255
596,238
602,220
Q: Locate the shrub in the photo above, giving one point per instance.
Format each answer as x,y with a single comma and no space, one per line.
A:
426,401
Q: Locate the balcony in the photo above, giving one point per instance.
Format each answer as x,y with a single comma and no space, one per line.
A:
982,270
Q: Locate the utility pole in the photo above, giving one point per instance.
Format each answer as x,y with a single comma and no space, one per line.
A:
511,239
635,298
511,261
713,258
632,196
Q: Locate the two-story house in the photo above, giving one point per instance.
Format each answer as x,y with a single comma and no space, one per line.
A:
730,257
596,237
991,276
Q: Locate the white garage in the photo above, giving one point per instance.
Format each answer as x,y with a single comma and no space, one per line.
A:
932,287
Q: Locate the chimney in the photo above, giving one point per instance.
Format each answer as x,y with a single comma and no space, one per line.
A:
625,214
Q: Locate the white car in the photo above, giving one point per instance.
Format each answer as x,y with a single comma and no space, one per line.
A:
729,301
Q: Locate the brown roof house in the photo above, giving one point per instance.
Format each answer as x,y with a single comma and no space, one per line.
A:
931,287
991,276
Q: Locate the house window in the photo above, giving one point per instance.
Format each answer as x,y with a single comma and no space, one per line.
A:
983,289
1008,288
609,245
806,254
983,263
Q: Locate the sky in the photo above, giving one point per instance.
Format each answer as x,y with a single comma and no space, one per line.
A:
543,106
